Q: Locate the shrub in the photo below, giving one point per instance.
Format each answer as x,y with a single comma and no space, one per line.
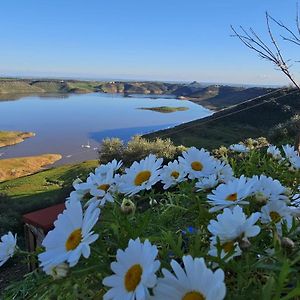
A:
285,132
136,149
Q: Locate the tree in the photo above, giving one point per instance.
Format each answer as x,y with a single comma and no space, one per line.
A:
270,49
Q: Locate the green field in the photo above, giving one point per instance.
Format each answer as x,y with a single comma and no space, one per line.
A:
26,194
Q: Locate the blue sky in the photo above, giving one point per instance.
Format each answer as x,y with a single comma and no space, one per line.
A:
138,39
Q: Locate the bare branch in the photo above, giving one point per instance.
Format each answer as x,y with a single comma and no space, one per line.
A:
294,38
297,19
273,52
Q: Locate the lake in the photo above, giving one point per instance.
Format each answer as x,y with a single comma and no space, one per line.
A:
63,123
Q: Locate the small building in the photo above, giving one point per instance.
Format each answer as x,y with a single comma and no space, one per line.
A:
37,224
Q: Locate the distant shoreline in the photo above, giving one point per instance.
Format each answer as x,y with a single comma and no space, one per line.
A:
214,97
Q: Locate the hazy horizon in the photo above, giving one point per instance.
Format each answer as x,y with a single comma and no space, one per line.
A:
204,83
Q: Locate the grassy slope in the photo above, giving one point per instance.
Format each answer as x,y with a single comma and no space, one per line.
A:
222,97
37,191
17,167
18,87
8,138
254,122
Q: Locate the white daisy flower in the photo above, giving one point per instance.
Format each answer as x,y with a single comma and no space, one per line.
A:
140,176
230,194
207,183
81,189
71,236
103,189
112,166
193,282
292,156
233,225
8,246
266,189
295,162
197,163
134,270
296,198
289,151
274,152
223,171
239,148
226,248
74,197
277,212
172,174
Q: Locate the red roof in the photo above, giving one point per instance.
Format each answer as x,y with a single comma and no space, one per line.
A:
44,218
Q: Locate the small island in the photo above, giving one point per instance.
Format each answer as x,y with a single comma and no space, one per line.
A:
9,138
165,109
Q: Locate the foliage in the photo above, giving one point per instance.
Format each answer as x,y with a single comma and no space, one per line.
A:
136,149
268,269
23,195
285,130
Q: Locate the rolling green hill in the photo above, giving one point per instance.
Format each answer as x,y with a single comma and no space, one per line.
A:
274,116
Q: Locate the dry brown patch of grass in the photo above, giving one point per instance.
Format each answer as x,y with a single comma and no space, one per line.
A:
21,166
8,138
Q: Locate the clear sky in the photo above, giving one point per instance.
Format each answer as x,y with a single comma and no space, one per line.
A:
137,39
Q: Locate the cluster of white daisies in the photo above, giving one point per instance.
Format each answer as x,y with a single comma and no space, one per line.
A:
135,268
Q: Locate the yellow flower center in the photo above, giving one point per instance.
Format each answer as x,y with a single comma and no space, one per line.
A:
232,197
74,239
103,187
175,174
193,296
141,177
275,216
196,166
133,277
227,247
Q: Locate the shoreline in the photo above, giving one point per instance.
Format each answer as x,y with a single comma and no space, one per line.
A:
10,138
213,96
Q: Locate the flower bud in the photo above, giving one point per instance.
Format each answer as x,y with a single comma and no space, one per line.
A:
261,197
288,192
287,243
128,206
58,271
244,244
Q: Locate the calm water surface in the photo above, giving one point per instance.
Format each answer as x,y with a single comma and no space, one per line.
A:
63,124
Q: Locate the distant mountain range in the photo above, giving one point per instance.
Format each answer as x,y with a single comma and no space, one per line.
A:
213,96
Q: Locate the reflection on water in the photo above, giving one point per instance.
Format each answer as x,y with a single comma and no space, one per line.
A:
65,122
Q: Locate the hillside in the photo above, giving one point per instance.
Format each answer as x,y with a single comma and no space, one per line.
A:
213,96
271,117
218,97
